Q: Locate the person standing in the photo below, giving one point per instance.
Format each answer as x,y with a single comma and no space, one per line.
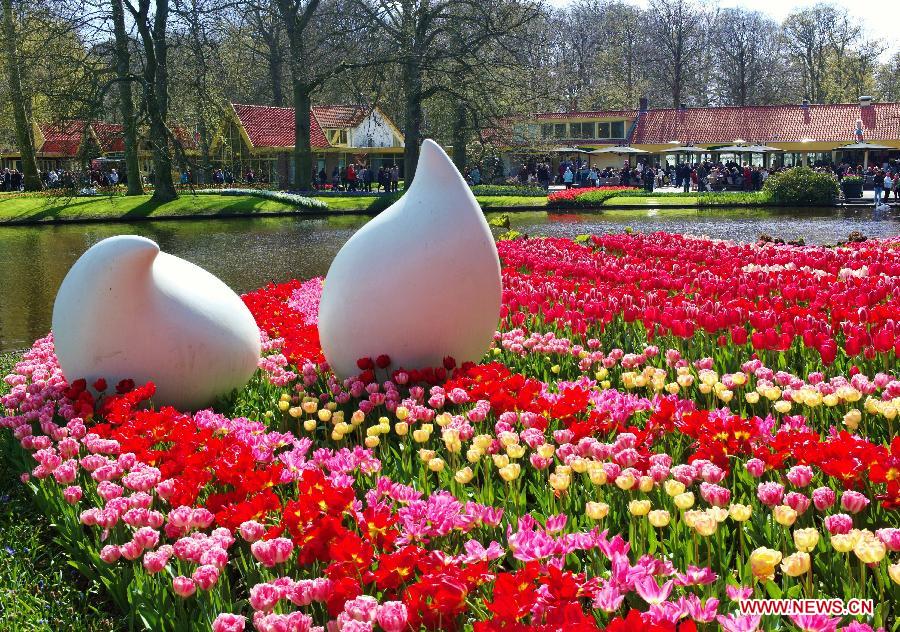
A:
568,177
476,175
395,178
879,186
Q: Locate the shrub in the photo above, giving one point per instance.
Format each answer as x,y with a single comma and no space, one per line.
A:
508,189
735,198
381,203
801,186
291,199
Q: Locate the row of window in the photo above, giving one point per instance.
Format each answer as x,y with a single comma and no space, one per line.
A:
593,130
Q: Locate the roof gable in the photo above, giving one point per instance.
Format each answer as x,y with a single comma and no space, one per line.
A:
269,126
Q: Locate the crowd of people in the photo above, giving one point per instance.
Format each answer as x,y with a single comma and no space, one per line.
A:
359,178
700,176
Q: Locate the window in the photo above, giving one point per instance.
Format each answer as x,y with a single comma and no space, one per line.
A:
617,129
603,130
583,130
546,130
559,130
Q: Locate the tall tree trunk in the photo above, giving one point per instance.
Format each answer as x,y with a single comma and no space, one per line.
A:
20,115
126,102
302,143
412,129
276,66
158,107
460,136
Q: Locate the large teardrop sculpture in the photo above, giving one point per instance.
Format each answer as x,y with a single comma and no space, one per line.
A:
126,310
419,282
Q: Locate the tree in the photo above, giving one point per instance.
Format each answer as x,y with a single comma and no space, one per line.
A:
425,38
151,27
678,29
322,36
32,179
122,59
747,73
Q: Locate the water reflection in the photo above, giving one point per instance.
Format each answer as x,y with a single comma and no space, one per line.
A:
248,253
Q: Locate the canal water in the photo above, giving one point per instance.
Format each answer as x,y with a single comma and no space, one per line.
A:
248,253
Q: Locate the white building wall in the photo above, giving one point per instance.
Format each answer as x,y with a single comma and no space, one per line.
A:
372,131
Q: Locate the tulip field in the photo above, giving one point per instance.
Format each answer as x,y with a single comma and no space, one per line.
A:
665,429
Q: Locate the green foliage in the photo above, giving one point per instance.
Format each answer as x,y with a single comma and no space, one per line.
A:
501,221
801,186
508,189
290,199
735,198
381,202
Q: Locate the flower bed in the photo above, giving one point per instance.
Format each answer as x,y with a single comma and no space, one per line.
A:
664,428
289,199
584,197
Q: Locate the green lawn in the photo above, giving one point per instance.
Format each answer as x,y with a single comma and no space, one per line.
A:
681,200
15,208
39,589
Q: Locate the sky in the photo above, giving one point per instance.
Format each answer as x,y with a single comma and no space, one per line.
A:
878,17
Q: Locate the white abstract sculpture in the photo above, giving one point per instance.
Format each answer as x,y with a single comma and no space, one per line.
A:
419,282
127,310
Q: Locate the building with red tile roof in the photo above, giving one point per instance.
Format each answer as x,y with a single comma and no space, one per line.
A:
260,138
803,132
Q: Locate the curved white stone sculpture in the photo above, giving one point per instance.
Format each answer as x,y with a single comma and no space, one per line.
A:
127,310
419,282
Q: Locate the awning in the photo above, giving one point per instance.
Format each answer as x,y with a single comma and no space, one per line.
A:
619,151
686,150
865,146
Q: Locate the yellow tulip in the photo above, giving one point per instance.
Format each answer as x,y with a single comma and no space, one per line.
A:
436,464
324,415
784,515
870,550
782,406
684,500
842,543
659,518
596,473
546,450
673,487
426,455
560,482
705,524
645,484
763,562
796,564
894,572
598,511
401,412
310,406
625,481
751,397
464,475
357,417
510,472
309,425
372,442
283,405
639,507
852,418
806,539
401,428
473,455
739,512
500,460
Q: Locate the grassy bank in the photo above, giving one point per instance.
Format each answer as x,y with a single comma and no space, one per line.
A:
22,208
17,208
39,589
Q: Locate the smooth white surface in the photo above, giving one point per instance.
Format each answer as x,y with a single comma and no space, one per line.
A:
127,310
419,282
